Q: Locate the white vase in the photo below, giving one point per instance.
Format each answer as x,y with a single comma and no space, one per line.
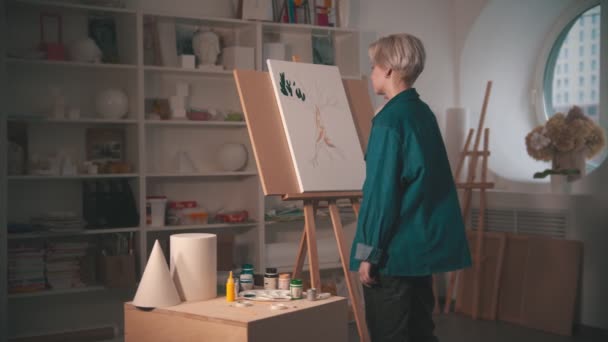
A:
560,184
112,103
569,161
232,157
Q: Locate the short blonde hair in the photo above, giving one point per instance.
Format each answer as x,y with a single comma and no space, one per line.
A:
402,53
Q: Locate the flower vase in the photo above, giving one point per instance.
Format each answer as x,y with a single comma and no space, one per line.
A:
560,184
570,161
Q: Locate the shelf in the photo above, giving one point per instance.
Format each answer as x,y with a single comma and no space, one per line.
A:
303,28
198,72
31,119
86,232
202,226
202,175
70,6
75,177
68,64
56,292
196,123
199,20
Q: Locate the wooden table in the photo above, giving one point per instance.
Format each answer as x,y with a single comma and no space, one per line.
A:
217,320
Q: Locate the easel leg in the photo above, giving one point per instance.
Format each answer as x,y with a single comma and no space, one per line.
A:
297,271
302,249
352,291
450,290
436,308
356,207
311,241
478,254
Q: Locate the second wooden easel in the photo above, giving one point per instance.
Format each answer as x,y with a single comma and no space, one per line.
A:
469,185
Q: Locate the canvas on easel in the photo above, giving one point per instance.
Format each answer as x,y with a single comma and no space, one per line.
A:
278,176
319,126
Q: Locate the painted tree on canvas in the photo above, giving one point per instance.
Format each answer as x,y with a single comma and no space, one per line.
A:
318,101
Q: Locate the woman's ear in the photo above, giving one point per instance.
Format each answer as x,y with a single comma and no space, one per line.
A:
388,73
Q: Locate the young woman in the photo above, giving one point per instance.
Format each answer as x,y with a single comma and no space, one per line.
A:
410,225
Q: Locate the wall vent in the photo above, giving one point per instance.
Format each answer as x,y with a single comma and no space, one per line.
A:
551,223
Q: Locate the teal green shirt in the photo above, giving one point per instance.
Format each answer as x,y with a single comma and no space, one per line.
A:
410,222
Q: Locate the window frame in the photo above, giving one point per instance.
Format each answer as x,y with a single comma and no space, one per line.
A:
547,59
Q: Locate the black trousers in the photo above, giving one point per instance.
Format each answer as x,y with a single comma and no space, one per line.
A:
400,309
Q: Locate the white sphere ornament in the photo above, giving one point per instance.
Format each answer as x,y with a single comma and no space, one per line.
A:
232,157
112,103
85,51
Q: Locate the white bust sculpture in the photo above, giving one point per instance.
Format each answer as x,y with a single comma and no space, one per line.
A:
206,46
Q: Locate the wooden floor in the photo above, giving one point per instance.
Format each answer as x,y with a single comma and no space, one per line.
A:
455,328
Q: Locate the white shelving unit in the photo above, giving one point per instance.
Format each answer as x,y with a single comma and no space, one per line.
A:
57,292
151,145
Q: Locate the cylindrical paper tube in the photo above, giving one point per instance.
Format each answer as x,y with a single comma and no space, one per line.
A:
194,266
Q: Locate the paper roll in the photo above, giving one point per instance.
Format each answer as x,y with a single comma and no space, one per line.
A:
456,126
194,265
156,288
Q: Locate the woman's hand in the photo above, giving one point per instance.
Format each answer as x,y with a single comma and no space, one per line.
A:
365,274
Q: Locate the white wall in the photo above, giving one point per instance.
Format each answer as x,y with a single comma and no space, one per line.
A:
502,46
429,20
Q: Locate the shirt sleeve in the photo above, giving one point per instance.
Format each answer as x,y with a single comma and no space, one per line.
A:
381,194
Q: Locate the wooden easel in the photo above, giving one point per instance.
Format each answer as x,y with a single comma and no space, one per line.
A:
308,244
469,185
278,177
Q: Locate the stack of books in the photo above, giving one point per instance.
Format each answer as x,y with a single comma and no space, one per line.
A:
59,222
64,264
26,270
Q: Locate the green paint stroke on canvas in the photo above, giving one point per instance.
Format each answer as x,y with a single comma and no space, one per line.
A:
287,90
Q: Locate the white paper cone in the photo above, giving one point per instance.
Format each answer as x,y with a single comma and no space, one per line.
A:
456,125
156,289
194,265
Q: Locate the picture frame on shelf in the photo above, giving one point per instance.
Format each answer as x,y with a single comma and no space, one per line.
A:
152,44
17,154
105,144
102,29
262,10
323,49
183,38
51,42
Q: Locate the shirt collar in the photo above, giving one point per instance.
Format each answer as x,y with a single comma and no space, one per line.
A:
406,95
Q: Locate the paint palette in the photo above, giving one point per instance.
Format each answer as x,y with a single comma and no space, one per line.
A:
266,295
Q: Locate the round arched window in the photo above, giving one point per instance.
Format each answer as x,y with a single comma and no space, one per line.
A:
572,72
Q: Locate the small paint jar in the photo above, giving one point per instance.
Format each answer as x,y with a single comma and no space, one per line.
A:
246,281
311,294
295,288
248,269
284,281
271,278
246,277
